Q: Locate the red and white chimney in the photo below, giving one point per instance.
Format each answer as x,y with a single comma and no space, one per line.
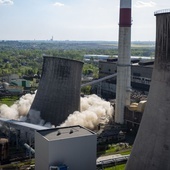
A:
123,85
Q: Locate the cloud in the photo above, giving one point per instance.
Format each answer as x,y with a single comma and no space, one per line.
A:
141,4
58,4
6,2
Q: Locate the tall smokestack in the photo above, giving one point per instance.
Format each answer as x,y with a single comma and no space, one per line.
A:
124,61
151,149
58,94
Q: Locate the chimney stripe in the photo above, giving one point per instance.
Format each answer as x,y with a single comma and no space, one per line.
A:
125,17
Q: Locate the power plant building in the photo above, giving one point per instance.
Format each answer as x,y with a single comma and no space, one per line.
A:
141,73
72,148
58,93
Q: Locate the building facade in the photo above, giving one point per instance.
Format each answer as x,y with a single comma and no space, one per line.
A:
141,73
73,147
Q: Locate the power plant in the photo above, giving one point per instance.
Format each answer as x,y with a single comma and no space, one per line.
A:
151,149
124,61
58,94
58,97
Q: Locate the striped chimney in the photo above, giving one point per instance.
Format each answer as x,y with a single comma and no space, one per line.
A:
124,61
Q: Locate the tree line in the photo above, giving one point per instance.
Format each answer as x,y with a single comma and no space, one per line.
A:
27,58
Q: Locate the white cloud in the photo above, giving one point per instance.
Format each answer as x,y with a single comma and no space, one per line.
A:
6,2
58,4
141,4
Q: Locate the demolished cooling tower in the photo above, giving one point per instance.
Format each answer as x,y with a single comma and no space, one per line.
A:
151,150
58,94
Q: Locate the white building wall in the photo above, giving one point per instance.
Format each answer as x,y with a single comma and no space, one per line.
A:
42,152
77,153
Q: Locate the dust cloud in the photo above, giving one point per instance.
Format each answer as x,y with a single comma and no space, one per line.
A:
19,109
94,111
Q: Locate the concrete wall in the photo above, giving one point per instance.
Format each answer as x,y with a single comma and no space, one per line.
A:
58,93
151,150
107,68
41,152
140,77
77,153
142,70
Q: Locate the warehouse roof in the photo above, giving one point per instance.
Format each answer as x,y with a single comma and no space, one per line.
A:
65,132
19,124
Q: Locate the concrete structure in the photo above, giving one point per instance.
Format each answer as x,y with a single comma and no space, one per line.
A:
58,93
124,62
141,73
74,147
151,149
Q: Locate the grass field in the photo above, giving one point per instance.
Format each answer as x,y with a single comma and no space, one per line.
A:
118,167
8,100
116,149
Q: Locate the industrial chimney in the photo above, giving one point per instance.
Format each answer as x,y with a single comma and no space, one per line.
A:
58,94
124,61
151,149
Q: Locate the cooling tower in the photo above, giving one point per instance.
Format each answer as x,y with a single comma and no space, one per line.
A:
151,150
58,94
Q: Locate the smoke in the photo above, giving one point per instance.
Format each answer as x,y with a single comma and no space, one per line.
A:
19,109
8,112
94,111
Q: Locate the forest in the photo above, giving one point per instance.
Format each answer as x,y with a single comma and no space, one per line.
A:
26,57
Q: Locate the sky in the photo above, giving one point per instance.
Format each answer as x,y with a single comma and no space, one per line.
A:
80,20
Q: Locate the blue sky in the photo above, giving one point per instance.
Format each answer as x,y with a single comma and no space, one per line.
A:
75,19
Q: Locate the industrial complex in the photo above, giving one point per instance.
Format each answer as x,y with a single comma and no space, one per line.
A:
141,73
141,92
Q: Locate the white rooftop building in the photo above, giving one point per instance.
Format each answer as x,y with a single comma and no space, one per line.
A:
72,148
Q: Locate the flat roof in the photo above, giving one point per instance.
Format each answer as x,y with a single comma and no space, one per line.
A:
140,63
65,132
21,124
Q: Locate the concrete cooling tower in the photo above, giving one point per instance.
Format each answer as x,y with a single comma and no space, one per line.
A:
58,94
151,150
